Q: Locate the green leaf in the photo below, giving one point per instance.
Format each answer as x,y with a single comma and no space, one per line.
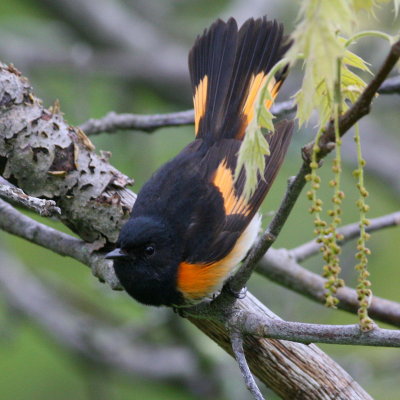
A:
265,119
255,147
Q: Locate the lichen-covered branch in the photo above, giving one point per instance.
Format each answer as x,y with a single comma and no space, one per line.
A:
46,157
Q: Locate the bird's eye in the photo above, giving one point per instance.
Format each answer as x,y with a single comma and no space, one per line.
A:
149,250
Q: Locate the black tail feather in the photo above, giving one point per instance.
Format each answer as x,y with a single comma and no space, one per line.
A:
223,64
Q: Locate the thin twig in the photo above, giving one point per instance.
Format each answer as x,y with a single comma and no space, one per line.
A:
280,267
359,109
113,122
237,348
46,208
390,86
349,232
315,333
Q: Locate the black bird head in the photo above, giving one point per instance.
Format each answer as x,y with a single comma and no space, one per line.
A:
146,261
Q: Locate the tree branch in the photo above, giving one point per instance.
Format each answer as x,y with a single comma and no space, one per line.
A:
277,265
237,348
14,222
315,333
280,267
267,357
46,208
46,157
349,232
113,122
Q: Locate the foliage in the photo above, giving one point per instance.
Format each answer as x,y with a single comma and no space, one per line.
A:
321,39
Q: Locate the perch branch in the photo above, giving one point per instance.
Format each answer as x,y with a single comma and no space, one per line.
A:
277,265
312,357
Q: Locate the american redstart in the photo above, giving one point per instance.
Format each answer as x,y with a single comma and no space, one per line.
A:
191,224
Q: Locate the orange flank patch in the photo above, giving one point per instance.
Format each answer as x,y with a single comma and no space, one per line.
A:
197,281
224,181
199,101
256,83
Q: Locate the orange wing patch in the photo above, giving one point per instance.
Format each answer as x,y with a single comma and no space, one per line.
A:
256,83
224,181
199,101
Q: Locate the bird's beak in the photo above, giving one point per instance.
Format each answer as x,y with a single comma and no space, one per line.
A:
116,254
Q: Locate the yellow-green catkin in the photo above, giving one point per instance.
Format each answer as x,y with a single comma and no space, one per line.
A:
312,194
331,249
364,292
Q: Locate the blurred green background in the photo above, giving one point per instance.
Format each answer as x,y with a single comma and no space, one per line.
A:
67,55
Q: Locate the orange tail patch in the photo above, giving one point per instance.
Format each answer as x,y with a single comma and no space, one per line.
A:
256,84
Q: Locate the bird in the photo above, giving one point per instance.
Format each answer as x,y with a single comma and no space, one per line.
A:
192,224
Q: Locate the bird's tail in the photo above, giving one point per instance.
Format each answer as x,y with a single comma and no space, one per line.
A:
228,67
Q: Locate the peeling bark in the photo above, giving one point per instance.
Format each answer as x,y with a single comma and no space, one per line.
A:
47,158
